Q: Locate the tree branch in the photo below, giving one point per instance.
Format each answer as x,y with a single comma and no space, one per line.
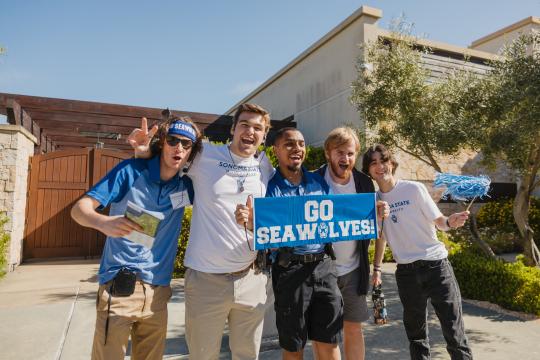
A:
534,169
413,154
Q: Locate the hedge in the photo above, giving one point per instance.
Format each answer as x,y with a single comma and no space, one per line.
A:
513,286
4,243
498,215
179,268
387,253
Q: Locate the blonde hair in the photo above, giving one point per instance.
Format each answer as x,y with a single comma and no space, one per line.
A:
341,136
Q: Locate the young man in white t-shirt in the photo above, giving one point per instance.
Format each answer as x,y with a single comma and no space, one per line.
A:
423,271
221,284
352,263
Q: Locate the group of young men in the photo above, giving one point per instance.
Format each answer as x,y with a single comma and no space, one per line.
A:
320,290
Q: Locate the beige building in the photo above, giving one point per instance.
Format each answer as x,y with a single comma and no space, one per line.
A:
315,87
494,42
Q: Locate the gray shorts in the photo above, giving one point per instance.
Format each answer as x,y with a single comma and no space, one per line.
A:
355,307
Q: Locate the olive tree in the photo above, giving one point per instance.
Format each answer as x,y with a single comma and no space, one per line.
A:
503,110
407,110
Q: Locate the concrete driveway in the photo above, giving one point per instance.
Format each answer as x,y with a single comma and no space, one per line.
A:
47,311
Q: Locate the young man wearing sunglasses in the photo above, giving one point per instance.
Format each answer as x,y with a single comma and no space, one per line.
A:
135,279
221,284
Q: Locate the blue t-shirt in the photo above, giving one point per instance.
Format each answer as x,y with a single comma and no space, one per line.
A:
312,184
138,181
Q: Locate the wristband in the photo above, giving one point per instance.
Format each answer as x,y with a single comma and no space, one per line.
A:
377,270
448,222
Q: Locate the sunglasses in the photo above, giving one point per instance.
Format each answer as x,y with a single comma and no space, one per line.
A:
173,141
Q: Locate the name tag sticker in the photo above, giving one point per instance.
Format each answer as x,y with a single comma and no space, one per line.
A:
180,199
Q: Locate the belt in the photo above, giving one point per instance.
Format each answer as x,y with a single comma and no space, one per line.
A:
421,263
241,272
308,258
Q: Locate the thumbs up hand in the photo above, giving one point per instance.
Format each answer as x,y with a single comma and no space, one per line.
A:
244,213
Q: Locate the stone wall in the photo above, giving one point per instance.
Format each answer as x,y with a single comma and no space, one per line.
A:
16,148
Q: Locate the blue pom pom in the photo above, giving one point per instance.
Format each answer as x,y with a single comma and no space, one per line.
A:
462,187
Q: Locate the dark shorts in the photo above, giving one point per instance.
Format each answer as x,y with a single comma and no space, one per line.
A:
308,304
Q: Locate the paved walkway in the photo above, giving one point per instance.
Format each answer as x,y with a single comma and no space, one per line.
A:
47,311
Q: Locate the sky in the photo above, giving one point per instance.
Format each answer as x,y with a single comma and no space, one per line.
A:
199,55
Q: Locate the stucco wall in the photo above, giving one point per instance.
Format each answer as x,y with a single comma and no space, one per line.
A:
317,89
496,44
16,148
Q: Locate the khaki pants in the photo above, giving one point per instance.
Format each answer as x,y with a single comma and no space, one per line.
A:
213,299
143,315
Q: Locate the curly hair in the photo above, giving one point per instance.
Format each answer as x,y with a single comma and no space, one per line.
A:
156,144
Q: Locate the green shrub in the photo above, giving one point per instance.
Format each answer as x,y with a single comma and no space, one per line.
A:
500,242
513,286
498,215
387,253
314,158
4,243
179,268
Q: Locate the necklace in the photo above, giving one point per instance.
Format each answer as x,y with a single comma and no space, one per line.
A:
240,180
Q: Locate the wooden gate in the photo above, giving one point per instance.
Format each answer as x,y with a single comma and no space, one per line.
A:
56,181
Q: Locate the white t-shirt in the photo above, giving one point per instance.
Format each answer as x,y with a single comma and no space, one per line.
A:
347,257
409,229
217,244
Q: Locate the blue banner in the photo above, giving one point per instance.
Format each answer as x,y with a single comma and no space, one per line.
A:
313,219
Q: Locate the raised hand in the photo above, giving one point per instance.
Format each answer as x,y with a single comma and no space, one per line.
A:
458,219
139,139
244,213
383,209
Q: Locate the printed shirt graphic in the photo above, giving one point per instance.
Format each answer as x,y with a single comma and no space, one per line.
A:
217,244
312,184
409,229
137,181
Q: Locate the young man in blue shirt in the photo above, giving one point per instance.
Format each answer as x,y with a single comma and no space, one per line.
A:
308,302
135,279
221,283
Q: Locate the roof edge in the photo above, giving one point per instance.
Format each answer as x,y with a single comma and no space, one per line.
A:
362,11
448,47
507,29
